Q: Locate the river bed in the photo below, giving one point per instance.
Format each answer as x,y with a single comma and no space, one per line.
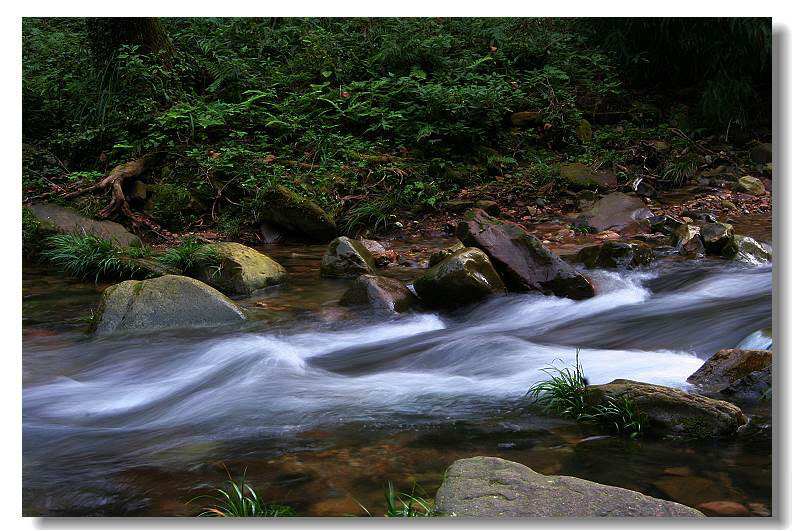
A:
322,405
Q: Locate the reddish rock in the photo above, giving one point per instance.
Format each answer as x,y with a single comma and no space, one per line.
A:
724,509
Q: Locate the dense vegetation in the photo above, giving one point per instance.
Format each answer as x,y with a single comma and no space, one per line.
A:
371,117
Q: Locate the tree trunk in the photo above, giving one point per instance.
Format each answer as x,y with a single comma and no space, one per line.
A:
108,34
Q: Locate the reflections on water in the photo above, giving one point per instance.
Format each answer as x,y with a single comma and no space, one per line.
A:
317,390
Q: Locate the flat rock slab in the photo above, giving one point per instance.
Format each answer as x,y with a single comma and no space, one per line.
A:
61,219
486,486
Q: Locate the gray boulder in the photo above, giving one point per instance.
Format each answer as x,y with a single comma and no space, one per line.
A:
523,262
756,385
58,219
380,293
616,255
346,258
166,302
486,486
715,236
747,250
613,212
465,277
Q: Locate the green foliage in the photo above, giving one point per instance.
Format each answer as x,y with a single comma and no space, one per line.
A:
170,204
30,233
239,499
85,255
190,253
565,394
401,504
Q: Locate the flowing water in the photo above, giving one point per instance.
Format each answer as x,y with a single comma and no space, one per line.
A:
324,404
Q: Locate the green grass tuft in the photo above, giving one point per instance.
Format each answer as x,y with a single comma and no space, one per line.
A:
239,499
189,254
86,255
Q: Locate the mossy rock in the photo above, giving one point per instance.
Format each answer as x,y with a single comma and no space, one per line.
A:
169,301
297,214
670,411
465,277
439,255
751,186
747,250
616,255
54,219
727,366
346,258
715,236
239,270
762,153
580,176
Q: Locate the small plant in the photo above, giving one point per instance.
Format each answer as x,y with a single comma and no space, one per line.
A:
239,499
189,254
679,171
85,255
565,395
406,504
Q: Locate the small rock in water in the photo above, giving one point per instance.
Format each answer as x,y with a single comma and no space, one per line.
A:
724,509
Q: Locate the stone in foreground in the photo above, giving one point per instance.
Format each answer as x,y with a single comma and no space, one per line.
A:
346,258
486,486
751,186
54,219
169,301
241,270
670,411
523,262
616,255
380,293
465,277
289,210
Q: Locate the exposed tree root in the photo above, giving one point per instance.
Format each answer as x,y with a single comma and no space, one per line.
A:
119,205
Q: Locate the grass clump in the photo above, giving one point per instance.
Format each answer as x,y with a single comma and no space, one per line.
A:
190,253
83,255
400,504
565,393
239,499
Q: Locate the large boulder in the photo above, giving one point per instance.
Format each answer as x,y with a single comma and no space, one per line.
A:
751,186
346,258
670,411
380,293
616,255
727,366
485,486
295,213
439,255
239,270
166,302
747,250
464,277
59,219
523,262
613,212
580,176
715,236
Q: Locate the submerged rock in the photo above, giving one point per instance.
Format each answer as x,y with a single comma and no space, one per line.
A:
756,385
523,262
485,486
346,258
241,269
465,277
295,213
379,292
747,250
616,255
166,302
58,219
729,365
670,411
614,211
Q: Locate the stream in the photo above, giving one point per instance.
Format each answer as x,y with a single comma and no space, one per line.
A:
321,405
